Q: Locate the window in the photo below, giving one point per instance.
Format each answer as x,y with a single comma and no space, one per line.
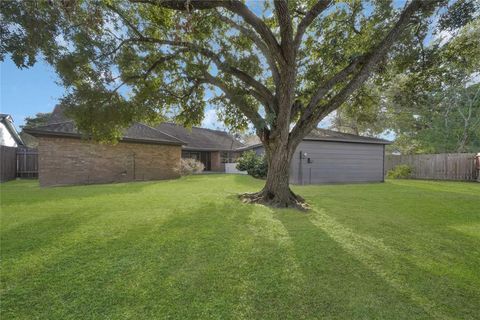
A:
228,157
191,155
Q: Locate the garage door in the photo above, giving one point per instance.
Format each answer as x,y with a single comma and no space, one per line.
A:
337,162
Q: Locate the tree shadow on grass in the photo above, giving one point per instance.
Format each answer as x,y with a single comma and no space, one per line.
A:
179,268
366,277
29,192
35,234
214,260
219,260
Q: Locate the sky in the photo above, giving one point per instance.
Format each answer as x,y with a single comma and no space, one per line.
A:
25,92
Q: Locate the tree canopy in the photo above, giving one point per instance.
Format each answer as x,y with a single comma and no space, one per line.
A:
39,119
432,106
281,66
145,60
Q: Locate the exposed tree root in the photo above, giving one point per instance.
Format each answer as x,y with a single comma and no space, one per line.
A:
270,199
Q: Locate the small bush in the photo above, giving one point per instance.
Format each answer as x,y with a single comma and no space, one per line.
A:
255,165
190,166
402,171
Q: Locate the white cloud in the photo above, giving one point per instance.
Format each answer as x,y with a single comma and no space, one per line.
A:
210,120
474,79
327,121
444,36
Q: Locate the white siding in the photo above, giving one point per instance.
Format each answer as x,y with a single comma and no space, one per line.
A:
6,138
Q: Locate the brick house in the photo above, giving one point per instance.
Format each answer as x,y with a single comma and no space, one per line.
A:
143,153
154,153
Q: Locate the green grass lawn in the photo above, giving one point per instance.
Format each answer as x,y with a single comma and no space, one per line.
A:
188,249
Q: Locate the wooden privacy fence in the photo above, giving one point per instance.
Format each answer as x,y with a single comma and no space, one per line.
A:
445,166
27,163
18,162
7,163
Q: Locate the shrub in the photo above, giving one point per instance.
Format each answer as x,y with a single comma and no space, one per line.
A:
402,171
255,165
190,166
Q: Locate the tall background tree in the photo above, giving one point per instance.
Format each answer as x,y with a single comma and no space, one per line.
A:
281,66
39,119
432,106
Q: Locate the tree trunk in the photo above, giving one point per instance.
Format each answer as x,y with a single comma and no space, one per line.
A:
276,191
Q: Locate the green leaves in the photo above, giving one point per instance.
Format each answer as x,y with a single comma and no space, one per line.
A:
458,15
433,106
255,165
123,61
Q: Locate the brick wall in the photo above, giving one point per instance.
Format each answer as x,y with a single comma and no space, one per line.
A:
216,165
65,161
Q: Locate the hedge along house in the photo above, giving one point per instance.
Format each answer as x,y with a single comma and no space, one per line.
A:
143,153
326,156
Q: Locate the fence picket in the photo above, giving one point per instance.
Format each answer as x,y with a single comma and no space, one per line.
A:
27,163
446,166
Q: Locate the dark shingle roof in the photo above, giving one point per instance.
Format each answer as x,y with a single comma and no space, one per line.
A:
137,132
58,115
319,134
330,135
201,138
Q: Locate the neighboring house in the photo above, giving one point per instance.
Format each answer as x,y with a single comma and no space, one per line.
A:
8,134
326,156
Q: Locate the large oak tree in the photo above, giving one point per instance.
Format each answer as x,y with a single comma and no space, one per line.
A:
281,66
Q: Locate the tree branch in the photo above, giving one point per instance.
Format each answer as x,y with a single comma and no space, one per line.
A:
267,96
127,22
286,29
328,85
370,61
144,75
223,66
258,42
314,12
234,6
252,115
